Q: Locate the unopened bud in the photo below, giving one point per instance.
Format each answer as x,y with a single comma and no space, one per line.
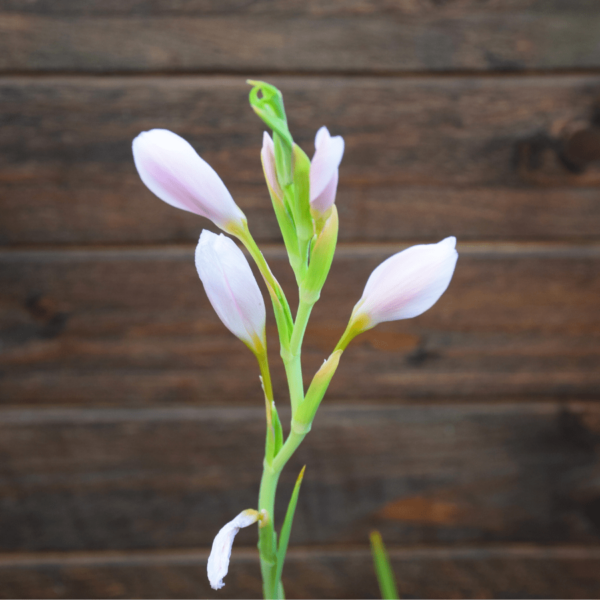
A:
321,257
306,411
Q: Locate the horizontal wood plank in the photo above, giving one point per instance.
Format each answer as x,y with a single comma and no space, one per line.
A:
311,37
292,8
425,157
489,572
83,479
134,327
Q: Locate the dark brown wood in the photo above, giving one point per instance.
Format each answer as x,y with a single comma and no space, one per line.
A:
294,8
132,425
425,157
134,327
309,37
489,572
74,479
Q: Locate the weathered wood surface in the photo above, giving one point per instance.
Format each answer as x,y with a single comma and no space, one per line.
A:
425,157
131,424
490,572
306,37
74,479
134,327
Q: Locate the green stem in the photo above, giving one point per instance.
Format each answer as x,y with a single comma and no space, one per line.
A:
263,363
293,371
304,309
292,359
244,235
287,450
261,263
267,543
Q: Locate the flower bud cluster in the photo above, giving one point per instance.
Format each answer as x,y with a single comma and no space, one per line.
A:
303,194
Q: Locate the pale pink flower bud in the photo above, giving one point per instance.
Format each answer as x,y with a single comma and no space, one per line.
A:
267,155
218,561
172,170
232,289
324,170
407,284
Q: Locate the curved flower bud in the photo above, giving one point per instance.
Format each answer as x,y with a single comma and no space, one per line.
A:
173,170
403,286
218,561
267,155
232,289
324,170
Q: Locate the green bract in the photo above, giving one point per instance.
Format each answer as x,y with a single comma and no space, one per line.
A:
305,414
321,257
269,107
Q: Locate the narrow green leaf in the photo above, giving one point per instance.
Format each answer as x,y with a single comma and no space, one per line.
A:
383,569
284,536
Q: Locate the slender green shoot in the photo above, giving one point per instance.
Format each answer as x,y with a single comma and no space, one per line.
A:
383,569
284,536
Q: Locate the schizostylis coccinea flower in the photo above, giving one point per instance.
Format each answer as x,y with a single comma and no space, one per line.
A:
174,171
404,286
232,288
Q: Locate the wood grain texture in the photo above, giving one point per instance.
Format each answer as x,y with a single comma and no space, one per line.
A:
134,327
345,37
489,572
425,157
75,479
295,8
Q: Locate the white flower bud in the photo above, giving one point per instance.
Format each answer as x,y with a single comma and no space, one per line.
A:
172,170
267,155
407,284
232,289
324,170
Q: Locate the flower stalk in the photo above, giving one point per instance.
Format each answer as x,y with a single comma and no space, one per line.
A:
303,196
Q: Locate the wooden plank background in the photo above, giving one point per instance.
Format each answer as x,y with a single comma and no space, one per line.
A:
131,420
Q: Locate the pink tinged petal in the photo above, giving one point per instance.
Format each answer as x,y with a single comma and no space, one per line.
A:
324,169
220,554
173,170
322,136
231,287
326,199
408,283
267,155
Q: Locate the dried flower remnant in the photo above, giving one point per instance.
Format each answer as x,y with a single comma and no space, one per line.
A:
218,561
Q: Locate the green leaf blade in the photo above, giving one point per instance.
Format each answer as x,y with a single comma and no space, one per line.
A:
284,536
383,569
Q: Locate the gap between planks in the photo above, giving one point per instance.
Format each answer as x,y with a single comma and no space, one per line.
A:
302,553
51,252
33,75
232,414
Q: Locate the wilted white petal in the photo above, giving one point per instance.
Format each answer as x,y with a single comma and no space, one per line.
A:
408,283
231,288
324,169
173,170
267,155
218,561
